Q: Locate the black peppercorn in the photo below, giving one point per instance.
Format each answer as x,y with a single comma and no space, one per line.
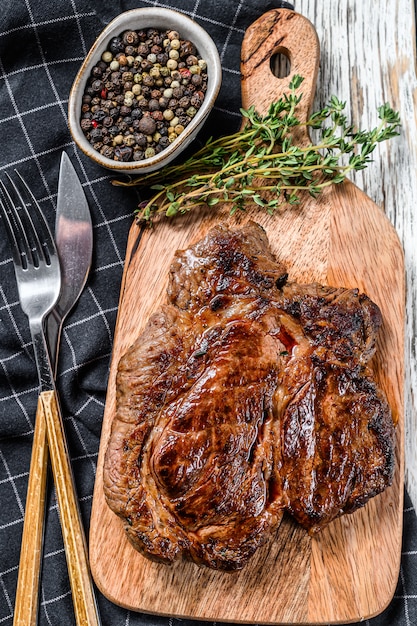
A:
113,130
116,45
162,58
97,72
147,125
130,38
107,151
153,105
97,85
127,76
196,101
143,50
130,51
196,80
140,139
96,134
187,48
164,142
184,102
143,104
122,153
148,80
178,92
99,115
85,125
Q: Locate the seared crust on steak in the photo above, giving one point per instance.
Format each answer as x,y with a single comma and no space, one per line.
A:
245,396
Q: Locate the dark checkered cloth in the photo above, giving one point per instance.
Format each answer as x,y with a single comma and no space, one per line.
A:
42,44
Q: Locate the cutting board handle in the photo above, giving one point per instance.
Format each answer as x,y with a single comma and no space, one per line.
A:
285,32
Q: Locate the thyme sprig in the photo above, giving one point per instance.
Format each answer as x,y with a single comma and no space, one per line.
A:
261,164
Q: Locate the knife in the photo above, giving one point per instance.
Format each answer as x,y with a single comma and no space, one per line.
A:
74,240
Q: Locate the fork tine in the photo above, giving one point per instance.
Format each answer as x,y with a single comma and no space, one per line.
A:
15,231
48,245
29,233
34,242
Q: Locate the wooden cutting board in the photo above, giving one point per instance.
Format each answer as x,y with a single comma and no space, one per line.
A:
349,572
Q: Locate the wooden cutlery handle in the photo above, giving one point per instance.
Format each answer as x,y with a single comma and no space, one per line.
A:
72,529
27,592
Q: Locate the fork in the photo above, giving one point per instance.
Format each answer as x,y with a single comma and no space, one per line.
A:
38,276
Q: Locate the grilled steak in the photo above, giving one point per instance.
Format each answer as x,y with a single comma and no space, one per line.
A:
245,396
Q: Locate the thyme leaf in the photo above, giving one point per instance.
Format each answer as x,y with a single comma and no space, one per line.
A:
260,163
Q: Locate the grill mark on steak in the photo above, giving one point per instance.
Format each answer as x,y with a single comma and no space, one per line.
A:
245,396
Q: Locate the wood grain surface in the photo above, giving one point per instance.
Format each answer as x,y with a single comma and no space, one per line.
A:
348,572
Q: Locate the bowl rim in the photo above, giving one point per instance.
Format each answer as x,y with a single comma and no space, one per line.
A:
147,17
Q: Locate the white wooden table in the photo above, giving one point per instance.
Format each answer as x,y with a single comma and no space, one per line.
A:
368,57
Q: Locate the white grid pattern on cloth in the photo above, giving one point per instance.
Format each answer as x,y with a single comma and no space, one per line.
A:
41,103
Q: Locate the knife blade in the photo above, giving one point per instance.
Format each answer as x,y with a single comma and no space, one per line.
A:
74,242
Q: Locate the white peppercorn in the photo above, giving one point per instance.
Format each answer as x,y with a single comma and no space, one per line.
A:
107,57
168,114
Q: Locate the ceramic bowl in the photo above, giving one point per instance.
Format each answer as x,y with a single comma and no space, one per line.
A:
138,19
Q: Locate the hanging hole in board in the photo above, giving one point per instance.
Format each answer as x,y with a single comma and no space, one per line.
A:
280,63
